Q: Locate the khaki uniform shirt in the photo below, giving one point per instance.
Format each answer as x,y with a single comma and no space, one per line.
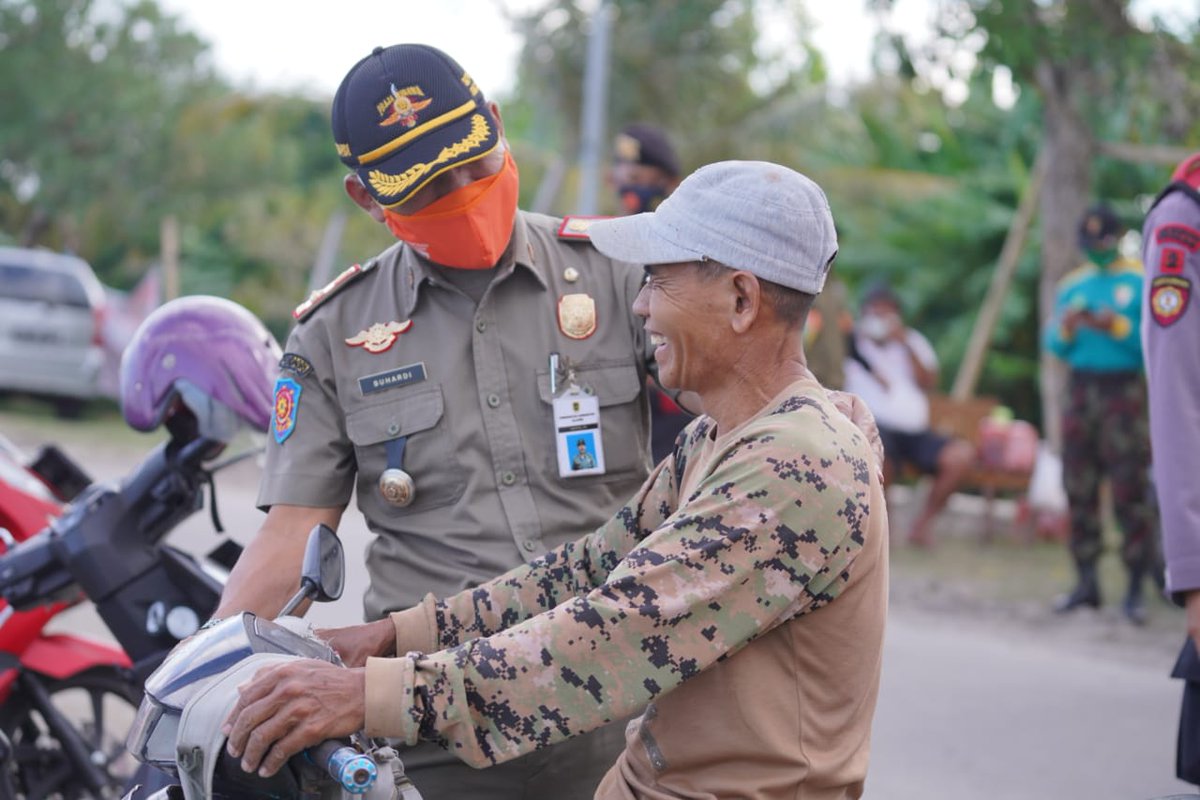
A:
741,593
468,385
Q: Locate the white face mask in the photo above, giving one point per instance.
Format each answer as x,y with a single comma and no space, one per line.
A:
875,326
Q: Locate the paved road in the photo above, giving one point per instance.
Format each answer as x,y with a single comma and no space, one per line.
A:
966,710
998,713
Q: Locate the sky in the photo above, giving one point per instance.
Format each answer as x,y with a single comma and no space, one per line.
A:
273,45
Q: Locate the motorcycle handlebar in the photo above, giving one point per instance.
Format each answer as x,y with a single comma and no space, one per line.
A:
32,575
354,771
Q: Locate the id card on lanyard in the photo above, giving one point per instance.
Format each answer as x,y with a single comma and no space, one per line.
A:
577,429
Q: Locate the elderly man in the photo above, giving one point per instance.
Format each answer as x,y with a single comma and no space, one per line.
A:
644,172
737,600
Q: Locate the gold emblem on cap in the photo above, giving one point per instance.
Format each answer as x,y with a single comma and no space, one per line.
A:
578,224
570,274
397,487
380,336
577,315
402,106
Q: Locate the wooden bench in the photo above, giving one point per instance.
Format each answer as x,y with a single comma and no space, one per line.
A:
962,418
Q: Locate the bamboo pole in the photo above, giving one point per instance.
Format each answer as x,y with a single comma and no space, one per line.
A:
1010,255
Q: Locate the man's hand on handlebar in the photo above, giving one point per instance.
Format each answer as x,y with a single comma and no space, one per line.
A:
359,642
287,708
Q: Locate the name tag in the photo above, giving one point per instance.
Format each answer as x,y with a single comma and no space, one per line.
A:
392,378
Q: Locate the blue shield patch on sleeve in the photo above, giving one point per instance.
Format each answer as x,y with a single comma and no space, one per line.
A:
287,402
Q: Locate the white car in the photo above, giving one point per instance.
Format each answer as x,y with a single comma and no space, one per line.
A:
52,310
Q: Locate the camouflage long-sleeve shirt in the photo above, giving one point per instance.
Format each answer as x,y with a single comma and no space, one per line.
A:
736,534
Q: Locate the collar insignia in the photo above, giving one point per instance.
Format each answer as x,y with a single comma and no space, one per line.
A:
576,227
333,287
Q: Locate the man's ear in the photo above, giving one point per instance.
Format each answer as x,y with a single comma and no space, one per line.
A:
361,197
495,109
747,301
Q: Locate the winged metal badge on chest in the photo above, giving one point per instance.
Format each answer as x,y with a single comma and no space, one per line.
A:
380,336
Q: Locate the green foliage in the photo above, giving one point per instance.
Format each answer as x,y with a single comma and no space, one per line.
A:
121,123
928,209
695,67
113,120
1128,83
97,87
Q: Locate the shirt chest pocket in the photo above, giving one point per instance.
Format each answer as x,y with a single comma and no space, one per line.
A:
428,455
624,417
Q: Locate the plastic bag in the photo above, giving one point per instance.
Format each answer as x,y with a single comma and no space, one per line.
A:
1046,491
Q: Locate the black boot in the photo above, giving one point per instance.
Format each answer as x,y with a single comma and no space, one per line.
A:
1133,608
1085,593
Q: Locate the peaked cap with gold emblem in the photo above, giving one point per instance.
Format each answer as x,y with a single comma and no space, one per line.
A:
404,115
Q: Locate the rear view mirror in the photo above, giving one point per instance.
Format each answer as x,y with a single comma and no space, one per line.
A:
324,564
324,572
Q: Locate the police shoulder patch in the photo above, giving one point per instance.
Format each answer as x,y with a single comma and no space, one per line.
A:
296,364
319,296
575,227
287,404
1180,234
1169,296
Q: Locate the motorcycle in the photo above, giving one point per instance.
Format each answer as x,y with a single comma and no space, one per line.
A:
202,368
190,695
40,672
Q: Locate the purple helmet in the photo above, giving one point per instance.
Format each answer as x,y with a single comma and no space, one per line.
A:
207,352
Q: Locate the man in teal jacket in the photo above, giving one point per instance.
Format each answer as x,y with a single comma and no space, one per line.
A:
1095,328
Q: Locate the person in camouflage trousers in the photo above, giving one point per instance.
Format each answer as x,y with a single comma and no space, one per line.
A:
737,600
1096,330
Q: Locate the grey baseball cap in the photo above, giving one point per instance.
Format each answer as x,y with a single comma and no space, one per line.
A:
752,215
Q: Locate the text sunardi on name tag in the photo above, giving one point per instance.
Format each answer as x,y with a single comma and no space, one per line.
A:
392,378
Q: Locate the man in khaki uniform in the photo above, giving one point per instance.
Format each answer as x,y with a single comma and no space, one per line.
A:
737,600
423,378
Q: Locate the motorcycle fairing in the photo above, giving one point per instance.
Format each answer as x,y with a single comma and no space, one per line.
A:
61,656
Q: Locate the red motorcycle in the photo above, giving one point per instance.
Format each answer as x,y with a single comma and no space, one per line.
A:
202,368
40,673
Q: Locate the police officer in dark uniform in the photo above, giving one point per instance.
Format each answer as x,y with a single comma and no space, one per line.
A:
441,379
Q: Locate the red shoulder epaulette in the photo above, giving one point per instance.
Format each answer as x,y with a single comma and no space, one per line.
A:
576,227
348,276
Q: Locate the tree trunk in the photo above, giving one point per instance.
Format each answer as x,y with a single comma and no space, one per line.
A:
1068,147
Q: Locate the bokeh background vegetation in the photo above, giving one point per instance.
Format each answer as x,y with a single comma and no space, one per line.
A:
111,121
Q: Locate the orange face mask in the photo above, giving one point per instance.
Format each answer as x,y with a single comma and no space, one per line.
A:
468,228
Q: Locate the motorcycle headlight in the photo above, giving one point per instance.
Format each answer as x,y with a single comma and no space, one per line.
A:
152,735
